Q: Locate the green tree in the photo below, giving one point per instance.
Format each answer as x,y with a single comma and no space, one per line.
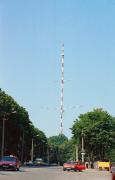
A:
98,128
60,149
19,130
57,140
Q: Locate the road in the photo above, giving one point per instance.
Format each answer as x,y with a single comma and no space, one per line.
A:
53,173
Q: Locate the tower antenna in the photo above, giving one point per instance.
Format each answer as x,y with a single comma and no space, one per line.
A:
62,90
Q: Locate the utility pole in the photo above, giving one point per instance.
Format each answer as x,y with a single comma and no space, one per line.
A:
3,134
32,151
48,154
82,151
22,148
5,117
76,152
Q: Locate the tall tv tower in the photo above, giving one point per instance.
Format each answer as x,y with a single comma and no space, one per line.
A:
62,90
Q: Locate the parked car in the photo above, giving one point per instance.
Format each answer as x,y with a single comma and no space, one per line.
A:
112,170
113,176
9,163
39,162
104,165
73,165
28,163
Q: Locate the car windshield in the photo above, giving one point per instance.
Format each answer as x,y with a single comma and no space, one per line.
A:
72,162
8,158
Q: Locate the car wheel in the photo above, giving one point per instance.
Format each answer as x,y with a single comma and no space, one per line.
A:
64,169
68,169
17,169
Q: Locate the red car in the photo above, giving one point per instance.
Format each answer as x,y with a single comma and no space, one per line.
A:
113,176
75,166
9,163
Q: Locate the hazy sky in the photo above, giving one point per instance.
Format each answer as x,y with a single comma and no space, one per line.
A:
31,34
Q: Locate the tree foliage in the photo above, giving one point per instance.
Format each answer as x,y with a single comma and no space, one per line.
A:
19,130
60,149
57,140
98,129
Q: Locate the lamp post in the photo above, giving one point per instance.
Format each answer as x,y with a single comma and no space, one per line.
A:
43,148
22,147
3,133
48,154
5,117
83,151
76,152
32,148
32,151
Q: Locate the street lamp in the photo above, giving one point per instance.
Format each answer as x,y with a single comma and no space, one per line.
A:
43,148
48,154
77,152
3,131
32,151
83,151
32,148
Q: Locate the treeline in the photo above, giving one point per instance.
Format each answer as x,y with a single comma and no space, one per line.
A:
95,128
97,131
19,131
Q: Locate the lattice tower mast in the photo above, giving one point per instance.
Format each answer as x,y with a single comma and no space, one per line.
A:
62,90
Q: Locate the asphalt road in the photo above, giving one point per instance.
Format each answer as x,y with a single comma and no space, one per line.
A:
53,173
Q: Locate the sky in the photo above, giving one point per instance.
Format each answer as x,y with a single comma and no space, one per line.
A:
31,36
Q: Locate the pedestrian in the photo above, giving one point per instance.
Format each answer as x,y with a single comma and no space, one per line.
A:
91,164
86,164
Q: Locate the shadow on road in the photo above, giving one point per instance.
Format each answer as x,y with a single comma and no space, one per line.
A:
10,172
